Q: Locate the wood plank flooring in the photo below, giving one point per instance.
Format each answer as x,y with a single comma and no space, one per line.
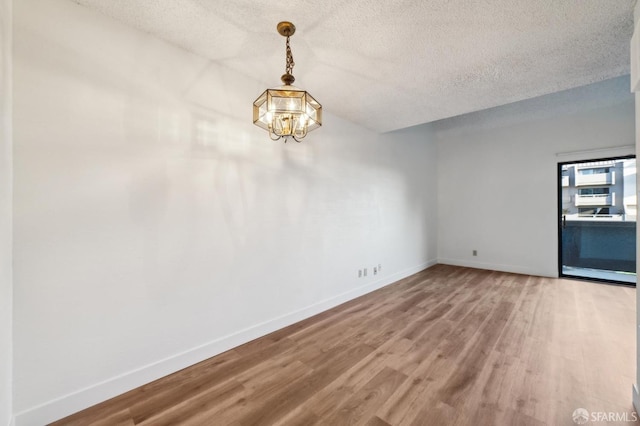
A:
446,346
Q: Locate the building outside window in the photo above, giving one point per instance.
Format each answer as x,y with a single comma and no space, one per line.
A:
602,190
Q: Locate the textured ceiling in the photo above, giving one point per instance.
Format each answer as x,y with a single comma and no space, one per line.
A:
396,63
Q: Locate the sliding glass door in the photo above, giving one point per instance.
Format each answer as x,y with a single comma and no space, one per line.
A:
597,209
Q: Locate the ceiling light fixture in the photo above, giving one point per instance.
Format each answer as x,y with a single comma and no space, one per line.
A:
287,111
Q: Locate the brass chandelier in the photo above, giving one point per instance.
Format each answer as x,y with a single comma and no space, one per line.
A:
287,111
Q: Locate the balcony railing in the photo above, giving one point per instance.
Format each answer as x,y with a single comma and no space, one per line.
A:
594,200
596,179
600,245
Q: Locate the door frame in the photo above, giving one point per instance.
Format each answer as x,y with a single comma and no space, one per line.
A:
560,218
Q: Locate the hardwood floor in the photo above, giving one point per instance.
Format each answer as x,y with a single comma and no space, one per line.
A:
447,346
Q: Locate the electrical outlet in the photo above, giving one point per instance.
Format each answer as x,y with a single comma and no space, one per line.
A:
365,272
359,273
475,252
375,270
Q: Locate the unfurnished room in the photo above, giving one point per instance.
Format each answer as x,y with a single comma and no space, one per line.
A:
381,213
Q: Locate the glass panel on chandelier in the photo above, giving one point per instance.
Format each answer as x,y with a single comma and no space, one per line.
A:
292,102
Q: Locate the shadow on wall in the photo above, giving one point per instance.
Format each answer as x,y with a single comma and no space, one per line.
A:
174,130
336,182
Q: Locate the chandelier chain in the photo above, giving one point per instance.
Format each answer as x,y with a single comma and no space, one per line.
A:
290,63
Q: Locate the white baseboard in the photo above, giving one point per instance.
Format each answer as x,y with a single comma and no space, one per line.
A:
636,398
496,267
89,396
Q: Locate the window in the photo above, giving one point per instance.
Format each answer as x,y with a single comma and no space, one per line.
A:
594,171
597,219
593,191
594,211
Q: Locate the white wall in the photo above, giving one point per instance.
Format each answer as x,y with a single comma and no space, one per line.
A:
155,226
636,395
497,176
635,86
5,216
